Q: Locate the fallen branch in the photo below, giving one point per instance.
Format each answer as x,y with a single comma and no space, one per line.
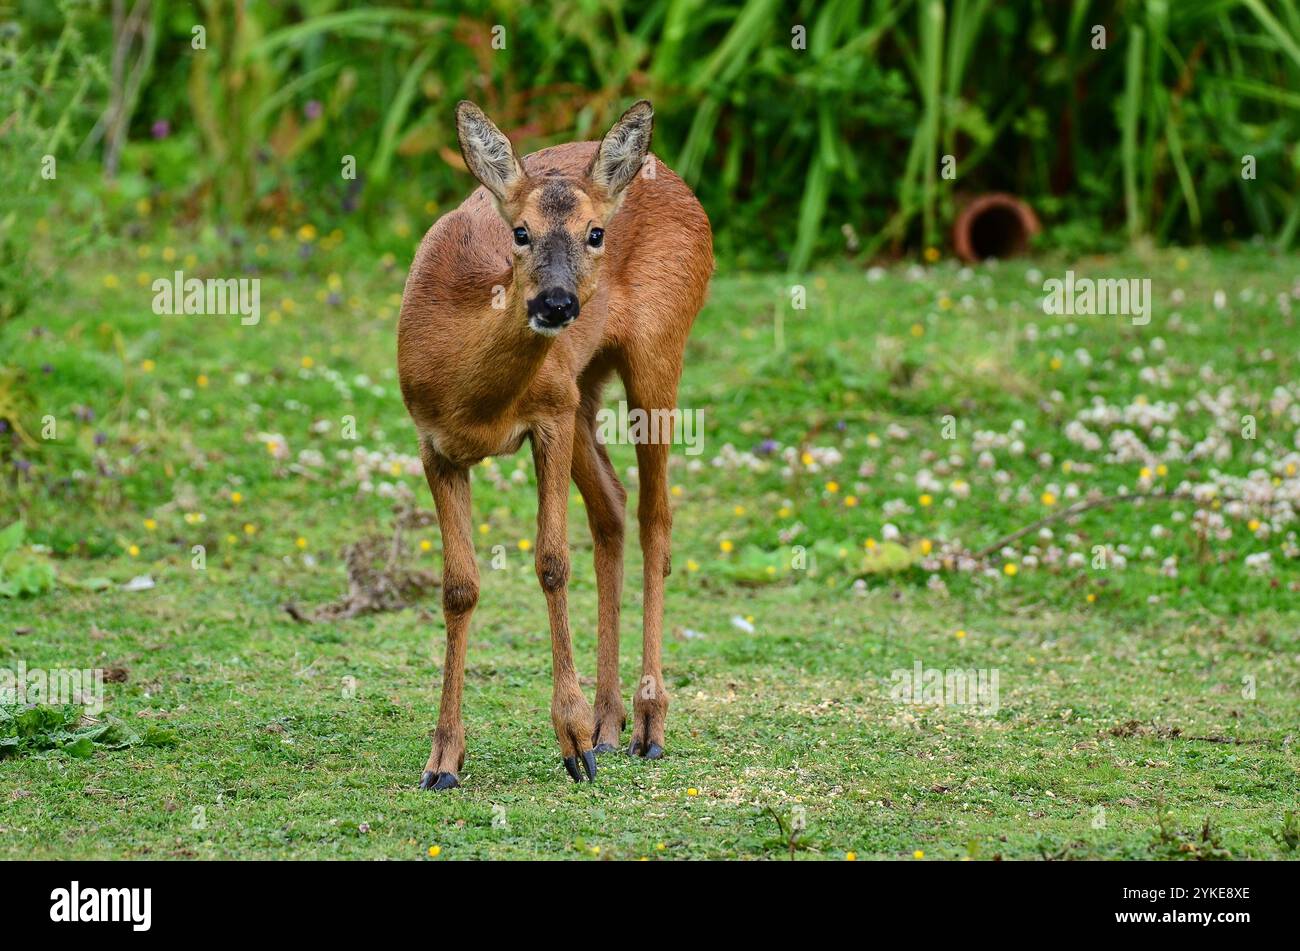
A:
1080,507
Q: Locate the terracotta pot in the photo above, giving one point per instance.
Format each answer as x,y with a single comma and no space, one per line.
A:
996,225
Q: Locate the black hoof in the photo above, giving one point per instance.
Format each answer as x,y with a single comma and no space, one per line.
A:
605,748
438,781
588,763
651,750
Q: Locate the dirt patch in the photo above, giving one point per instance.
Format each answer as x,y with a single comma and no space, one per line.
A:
1137,728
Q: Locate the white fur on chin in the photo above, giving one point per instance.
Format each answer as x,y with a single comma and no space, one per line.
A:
537,327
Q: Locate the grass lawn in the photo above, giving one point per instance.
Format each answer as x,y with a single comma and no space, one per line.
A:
860,456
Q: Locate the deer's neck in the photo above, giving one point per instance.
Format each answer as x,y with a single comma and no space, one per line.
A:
504,353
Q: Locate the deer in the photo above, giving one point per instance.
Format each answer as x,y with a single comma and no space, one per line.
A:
564,268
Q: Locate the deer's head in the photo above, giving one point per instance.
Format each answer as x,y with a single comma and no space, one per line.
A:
557,222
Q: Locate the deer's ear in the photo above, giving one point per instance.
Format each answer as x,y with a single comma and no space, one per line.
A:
623,149
486,150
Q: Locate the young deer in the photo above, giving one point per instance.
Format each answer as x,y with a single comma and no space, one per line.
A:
578,262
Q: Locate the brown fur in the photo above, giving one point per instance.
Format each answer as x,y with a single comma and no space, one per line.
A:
477,381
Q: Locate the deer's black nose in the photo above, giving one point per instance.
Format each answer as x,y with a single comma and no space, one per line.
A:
555,307
559,305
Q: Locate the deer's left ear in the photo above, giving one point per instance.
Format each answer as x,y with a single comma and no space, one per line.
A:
487,151
623,149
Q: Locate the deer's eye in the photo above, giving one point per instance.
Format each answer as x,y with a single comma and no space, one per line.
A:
596,238
521,236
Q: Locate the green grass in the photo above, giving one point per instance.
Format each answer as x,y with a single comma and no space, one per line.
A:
278,760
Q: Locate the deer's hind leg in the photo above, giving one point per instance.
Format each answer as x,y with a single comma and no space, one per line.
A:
652,388
606,502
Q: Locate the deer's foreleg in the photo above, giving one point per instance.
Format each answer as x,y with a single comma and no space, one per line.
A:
570,712
450,487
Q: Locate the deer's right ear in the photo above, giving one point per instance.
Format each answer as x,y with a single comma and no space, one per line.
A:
486,150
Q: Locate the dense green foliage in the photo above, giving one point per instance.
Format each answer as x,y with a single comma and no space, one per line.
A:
808,128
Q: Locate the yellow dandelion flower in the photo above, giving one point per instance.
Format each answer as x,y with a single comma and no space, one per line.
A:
148,366
250,528
111,281
770,570
806,458
133,551
945,303
783,512
926,546
677,490
435,851
692,791
484,529
231,539
925,500
918,330
961,635
659,846
918,854
1047,498
1253,525
850,856
300,542
850,501
1091,598
201,380
307,233
692,565
726,545
869,544
236,497
169,254
931,255
150,524
426,545
738,510
1162,470
832,487
525,544
307,363
1055,363
1009,569
1290,468
1144,473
